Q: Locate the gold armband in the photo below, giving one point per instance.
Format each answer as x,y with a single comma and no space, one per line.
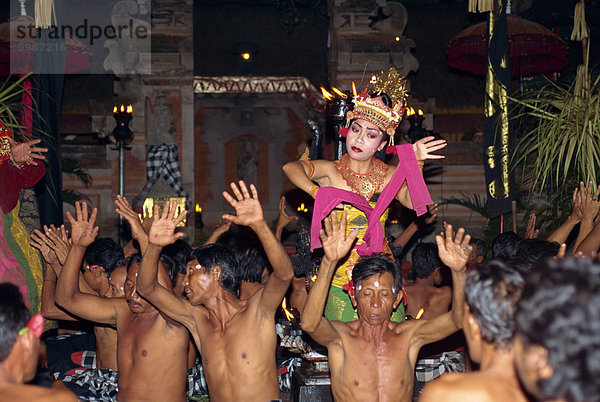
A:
313,191
308,163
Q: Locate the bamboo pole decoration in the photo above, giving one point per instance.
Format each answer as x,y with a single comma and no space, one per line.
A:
480,6
580,28
45,14
581,33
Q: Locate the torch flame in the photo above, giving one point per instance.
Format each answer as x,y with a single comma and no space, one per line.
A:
419,314
420,112
198,208
354,89
288,315
339,93
326,94
129,109
122,108
115,109
313,278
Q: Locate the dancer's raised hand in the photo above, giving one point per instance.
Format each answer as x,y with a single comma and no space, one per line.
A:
425,146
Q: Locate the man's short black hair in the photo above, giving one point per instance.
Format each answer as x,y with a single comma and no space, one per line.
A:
169,265
104,252
251,261
479,246
180,252
220,255
366,267
425,260
492,293
14,316
529,251
504,245
131,259
560,311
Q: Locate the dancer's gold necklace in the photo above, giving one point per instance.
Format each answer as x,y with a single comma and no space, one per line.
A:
364,184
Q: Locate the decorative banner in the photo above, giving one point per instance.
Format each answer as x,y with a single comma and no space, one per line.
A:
496,127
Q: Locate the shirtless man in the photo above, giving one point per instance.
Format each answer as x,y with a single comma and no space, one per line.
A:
374,358
19,350
148,344
424,293
236,338
104,256
491,295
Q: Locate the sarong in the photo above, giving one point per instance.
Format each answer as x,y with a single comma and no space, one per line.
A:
430,368
93,384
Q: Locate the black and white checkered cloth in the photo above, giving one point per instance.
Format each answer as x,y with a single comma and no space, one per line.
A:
93,384
430,368
196,383
163,161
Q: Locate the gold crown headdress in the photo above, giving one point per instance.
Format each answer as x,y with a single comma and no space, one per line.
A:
373,110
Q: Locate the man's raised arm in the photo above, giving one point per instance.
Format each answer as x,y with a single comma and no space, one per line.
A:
335,245
248,212
161,234
454,250
90,307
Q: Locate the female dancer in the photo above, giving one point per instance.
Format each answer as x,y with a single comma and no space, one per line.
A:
373,122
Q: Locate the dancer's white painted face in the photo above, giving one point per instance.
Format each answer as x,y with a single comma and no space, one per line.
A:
363,140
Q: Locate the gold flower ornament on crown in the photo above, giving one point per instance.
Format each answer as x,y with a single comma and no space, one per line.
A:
373,110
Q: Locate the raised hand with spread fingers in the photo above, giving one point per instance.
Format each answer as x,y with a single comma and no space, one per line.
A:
40,241
454,248
162,232
248,211
137,229
336,244
59,242
83,229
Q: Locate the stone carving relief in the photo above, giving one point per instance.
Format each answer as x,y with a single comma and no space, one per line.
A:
247,163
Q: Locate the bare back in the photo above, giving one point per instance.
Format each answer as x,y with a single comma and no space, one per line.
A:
239,359
149,348
481,386
434,301
23,392
362,369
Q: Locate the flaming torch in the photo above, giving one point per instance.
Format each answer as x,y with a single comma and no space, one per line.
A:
419,314
338,105
287,312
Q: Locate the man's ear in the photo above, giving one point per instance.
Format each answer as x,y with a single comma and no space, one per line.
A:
27,343
98,271
215,273
399,297
353,300
479,259
542,366
473,327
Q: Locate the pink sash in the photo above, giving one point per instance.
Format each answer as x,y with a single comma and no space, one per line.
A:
407,170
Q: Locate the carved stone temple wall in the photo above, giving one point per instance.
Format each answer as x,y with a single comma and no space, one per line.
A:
248,128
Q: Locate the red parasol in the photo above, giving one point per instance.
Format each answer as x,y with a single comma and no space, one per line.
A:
533,48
